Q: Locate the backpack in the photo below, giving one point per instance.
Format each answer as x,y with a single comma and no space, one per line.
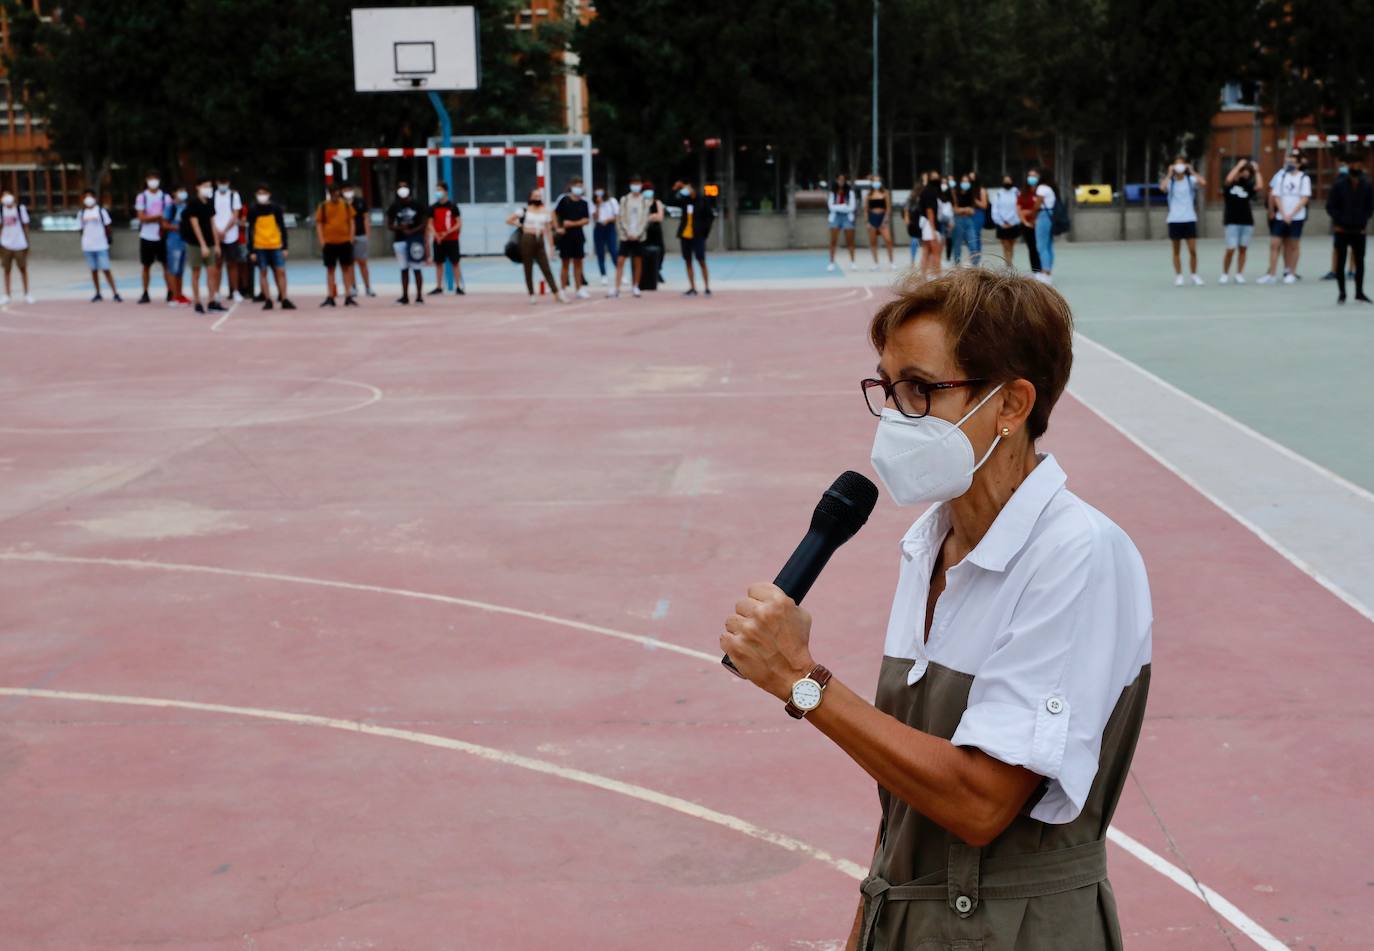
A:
1059,217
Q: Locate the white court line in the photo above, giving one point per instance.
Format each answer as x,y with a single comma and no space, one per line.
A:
642,793
1154,861
214,328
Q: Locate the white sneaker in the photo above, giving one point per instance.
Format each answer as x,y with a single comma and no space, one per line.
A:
4,299
1240,278
604,280
534,298
1224,279
1049,279
30,299
830,266
1178,280
1265,279
1198,281
613,292
1289,279
583,293
892,265
874,267
239,297
635,290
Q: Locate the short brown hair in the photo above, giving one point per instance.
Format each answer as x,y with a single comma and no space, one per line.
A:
1005,326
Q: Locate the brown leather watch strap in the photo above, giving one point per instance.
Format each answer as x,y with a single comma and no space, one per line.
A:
821,676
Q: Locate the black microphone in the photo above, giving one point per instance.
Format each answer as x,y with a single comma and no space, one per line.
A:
840,513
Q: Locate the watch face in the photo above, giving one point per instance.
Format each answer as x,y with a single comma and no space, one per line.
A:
806,694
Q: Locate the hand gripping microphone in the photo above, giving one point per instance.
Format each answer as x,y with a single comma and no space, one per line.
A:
840,513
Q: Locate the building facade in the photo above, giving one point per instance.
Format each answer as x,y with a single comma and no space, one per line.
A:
572,88
28,165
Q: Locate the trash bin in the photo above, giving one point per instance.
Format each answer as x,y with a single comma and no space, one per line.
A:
1093,194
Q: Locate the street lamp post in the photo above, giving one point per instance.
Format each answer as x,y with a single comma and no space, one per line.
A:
875,86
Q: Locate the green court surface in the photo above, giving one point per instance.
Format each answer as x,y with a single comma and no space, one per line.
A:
1283,359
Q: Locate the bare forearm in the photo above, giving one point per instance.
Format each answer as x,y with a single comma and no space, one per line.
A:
943,782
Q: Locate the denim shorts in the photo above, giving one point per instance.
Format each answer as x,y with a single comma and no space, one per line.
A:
176,255
1238,236
842,220
1292,229
97,260
270,258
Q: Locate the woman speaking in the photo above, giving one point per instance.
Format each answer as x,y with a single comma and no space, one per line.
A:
1017,657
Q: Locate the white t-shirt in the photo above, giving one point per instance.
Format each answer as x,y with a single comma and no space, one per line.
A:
1046,195
227,207
535,221
1050,618
1291,187
12,233
152,203
607,211
1181,206
93,224
1004,213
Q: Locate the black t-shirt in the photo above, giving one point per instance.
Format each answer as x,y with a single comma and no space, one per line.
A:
964,199
359,216
406,218
653,232
571,208
930,201
1239,195
204,212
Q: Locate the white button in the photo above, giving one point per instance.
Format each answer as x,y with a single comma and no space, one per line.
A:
963,904
1054,705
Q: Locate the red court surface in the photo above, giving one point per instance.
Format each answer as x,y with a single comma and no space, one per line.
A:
416,577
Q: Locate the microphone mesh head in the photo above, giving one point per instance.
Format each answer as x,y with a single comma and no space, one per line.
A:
846,505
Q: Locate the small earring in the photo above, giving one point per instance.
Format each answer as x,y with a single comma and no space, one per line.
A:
1006,431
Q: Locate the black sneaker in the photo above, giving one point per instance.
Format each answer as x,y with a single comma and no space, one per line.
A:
329,302
117,299
1341,299
170,298
96,299
200,309
216,307
690,292
145,299
459,290
266,305
258,299
436,292
419,299
403,300
286,304
350,302
708,292
1329,276
1363,299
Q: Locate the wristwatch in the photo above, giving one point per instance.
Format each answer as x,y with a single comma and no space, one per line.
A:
807,692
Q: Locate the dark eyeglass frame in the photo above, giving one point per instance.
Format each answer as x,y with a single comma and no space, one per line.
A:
922,389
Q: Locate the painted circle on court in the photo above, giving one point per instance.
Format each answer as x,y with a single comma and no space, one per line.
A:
138,405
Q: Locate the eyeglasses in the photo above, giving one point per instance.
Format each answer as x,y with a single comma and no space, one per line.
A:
911,397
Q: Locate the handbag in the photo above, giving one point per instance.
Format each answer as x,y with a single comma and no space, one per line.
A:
513,244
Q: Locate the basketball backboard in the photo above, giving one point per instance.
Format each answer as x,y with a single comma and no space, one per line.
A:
403,49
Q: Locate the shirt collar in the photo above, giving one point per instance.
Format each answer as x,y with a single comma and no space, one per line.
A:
1009,531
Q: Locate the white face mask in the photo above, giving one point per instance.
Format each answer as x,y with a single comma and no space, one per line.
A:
1180,168
348,195
648,193
403,192
263,198
928,459
576,190
88,201
223,189
440,197
205,192
7,200
153,183
636,188
181,195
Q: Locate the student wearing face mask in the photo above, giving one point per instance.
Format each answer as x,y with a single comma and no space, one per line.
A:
1026,206
198,236
1181,185
1017,657
1238,217
176,248
267,245
362,237
535,222
947,189
693,228
150,206
632,225
1350,205
571,214
1342,170
653,239
879,206
14,243
840,206
228,206
605,211
446,224
408,222
967,226
931,240
1290,191
1006,218
95,243
334,232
